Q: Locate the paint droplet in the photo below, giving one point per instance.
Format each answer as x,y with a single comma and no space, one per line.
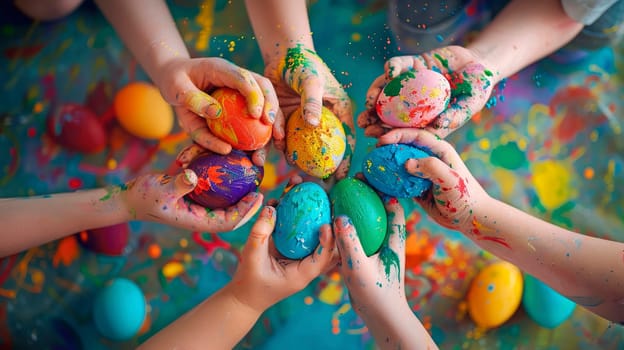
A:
111,164
154,251
172,269
588,173
484,144
74,183
183,242
308,300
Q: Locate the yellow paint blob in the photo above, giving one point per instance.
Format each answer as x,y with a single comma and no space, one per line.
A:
552,183
143,112
172,269
495,294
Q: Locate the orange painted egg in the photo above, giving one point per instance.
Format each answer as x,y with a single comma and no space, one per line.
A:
235,125
317,150
143,112
495,294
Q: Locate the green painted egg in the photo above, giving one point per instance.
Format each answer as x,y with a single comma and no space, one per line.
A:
355,199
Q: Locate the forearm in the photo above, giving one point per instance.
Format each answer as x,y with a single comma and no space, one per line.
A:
148,30
279,25
398,329
220,322
578,266
524,32
31,221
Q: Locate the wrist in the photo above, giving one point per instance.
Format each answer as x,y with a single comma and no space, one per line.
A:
241,296
480,55
161,54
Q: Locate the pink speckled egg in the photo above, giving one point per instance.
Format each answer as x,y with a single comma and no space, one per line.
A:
413,99
223,180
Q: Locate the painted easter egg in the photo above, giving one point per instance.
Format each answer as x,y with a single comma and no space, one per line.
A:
355,199
119,309
413,98
316,150
77,128
300,214
495,294
384,169
545,305
223,180
108,240
235,125
142,111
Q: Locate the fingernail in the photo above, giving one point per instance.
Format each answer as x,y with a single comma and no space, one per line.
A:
268,212
271,116
250,213
190,178
212,111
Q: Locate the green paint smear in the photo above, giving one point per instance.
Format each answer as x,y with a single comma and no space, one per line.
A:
393,88
508,156
463,88
389,258
297,57
113,190
442,60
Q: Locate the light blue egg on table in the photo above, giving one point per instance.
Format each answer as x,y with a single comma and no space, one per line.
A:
119,309
300,214
545,305
384,169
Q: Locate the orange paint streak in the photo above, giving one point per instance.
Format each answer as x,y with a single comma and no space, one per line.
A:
66,252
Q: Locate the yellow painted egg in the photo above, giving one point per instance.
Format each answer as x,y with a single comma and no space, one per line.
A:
495,294
143,112
316,150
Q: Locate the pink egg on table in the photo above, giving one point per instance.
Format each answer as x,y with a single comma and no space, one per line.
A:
77,128
413,99
108,240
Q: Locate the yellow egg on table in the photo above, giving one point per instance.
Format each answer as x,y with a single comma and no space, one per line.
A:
142,111
495,294
317,150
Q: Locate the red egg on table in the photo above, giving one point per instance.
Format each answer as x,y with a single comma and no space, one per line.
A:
223,180
108,240
77,128
235,125
413,99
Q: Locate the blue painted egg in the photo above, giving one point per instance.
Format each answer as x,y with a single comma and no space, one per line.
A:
300,214
384,169
223,180
119,309
545,305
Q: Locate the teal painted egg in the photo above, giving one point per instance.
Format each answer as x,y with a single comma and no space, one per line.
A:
355,199
384,169
545,305
119,309
300,214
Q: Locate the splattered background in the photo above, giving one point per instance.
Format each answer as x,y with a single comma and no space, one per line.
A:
551,146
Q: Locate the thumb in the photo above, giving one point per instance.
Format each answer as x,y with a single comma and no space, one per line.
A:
312,100
184,182
257,244
199,102
349,245
430,168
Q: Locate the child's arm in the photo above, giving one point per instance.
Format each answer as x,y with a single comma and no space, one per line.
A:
29,222
260,281
586,269
148,29
376,284
300,76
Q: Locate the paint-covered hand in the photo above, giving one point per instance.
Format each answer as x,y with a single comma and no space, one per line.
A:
471,86
262,279
186,84
455,196
303,80
375,283
160,198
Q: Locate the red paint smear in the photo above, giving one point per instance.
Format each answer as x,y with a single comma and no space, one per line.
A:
8,266
74,183
22,52
210,246
498,240
573,102
32,132
471,10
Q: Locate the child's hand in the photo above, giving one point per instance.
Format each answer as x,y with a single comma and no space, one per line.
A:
186,84
471,85
262,280
302,79
375,283
455,195
160,198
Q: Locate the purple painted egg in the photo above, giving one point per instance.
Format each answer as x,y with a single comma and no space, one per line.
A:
108,240
222,180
